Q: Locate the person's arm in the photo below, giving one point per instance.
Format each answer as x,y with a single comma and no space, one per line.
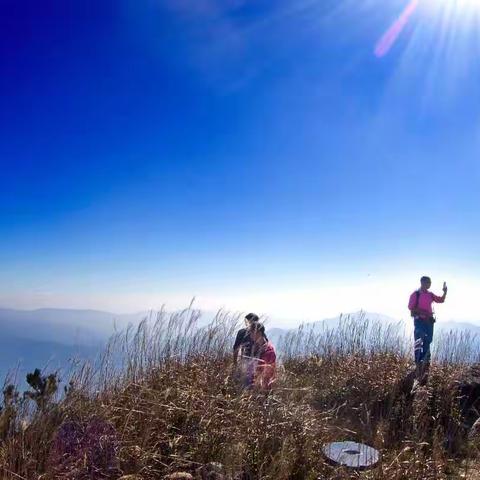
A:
441,299
237,345
412,302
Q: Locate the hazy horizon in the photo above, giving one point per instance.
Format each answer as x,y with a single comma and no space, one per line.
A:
273,320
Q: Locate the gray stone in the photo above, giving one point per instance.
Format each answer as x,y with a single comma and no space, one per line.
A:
351,455
179,476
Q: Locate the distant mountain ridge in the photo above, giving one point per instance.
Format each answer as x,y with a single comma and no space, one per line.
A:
50,336
275,334
66,326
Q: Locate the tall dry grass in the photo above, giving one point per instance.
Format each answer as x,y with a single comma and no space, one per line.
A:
162,398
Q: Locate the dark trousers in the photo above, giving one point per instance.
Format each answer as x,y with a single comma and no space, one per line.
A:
423,334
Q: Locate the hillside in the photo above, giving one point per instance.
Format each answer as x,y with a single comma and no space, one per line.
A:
173,405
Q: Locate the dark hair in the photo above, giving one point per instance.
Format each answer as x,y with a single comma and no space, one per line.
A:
252,317
425,279
259,327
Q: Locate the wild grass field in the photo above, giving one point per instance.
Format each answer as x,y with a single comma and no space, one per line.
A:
162,399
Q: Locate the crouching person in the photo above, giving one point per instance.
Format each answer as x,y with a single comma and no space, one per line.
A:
263,370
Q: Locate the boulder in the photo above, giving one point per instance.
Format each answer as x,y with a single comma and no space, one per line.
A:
179,476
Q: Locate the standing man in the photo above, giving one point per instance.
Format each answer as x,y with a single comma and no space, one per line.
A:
420,306
244,343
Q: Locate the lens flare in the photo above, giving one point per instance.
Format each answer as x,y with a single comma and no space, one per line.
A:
391,35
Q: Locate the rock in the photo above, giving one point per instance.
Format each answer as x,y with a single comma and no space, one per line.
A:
351,454
179,476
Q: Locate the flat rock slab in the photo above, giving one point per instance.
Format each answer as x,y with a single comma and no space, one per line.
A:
351,454
179,476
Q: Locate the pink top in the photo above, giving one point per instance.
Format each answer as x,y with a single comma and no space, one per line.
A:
265,372
425,301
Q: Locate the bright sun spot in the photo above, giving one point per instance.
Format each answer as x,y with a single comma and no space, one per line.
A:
458,7
463,15
469,3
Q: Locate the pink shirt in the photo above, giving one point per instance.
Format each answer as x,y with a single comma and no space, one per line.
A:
265,372
425,301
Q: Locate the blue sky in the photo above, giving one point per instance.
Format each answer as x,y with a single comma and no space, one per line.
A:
257,155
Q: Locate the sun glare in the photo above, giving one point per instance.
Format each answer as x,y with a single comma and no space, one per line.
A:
456,13
459,3
462,16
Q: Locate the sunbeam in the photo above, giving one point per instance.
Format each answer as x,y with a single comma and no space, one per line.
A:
457,18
